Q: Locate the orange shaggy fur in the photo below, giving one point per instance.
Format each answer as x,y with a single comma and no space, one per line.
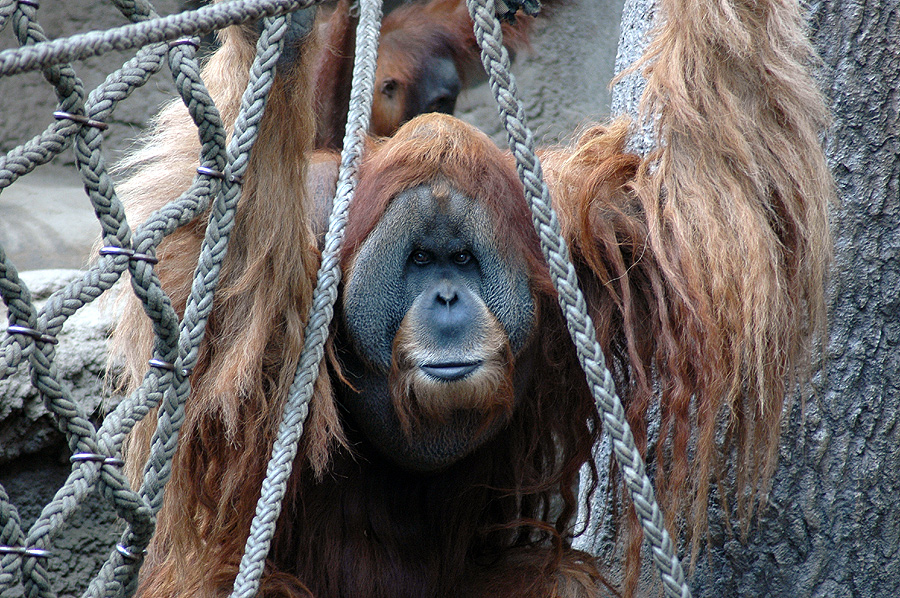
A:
735,201
703,265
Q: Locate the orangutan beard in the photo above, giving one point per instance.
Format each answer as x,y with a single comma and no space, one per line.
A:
421,400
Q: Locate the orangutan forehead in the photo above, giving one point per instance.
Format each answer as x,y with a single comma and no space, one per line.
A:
439,201
441,190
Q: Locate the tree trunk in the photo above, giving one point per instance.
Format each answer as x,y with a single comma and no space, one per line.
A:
831,526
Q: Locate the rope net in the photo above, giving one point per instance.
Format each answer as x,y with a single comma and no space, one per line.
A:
30,336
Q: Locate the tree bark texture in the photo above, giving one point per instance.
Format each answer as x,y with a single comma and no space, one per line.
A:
831,526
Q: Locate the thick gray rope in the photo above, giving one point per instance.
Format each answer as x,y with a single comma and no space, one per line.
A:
296,409
521,142
118,574
128,505
10,535
199,306
197,22
134,510
61,305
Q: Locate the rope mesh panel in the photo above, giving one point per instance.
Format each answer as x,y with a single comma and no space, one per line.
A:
31,334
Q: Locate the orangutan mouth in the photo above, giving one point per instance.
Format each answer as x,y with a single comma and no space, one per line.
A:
450,372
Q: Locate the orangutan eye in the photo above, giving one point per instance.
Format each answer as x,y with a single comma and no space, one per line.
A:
389,87
421,258
462,258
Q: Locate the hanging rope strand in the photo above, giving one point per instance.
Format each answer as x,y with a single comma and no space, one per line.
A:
521,142
284,450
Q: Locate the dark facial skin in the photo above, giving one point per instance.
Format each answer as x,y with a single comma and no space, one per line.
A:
433,266
437,89
432,86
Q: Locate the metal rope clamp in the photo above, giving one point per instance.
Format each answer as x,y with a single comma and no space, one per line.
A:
80,119
38,553
129,554
167,365
96,458
187,41
33,333
217,174
131,253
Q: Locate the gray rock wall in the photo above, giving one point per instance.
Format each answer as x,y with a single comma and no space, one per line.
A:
564,80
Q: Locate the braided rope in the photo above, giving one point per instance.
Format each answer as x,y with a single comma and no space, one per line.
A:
284,450
70,417
521,142
197,22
